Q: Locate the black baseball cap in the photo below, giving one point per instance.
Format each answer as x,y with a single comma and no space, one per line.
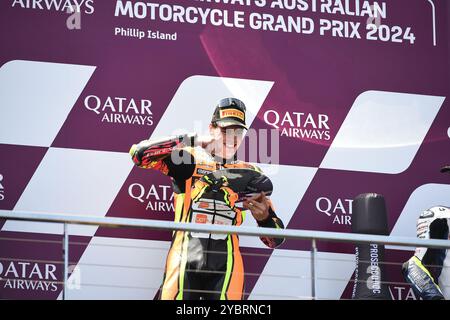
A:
229,112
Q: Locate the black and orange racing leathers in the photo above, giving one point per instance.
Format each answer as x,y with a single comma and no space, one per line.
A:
200,265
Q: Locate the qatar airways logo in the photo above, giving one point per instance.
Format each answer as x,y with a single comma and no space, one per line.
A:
120,110
2,189
21,275
402,293
157,198
299,124
338,210
71,6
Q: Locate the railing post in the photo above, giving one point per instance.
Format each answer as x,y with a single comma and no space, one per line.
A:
66,260
313,269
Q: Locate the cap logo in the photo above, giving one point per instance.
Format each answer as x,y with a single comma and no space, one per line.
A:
235,113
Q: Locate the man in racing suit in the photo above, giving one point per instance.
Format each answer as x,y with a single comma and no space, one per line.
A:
422,271
199,265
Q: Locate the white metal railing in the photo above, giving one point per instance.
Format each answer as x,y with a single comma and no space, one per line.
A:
313,236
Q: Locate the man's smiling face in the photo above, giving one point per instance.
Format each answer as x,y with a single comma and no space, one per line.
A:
226,140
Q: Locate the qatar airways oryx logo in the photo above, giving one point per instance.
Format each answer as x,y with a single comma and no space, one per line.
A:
20,275
339,210
78,6
299,124
157,198
121,110
2,189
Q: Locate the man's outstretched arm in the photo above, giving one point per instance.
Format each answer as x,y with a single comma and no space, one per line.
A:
157,154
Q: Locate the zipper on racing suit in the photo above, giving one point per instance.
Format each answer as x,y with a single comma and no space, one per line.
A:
215,191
